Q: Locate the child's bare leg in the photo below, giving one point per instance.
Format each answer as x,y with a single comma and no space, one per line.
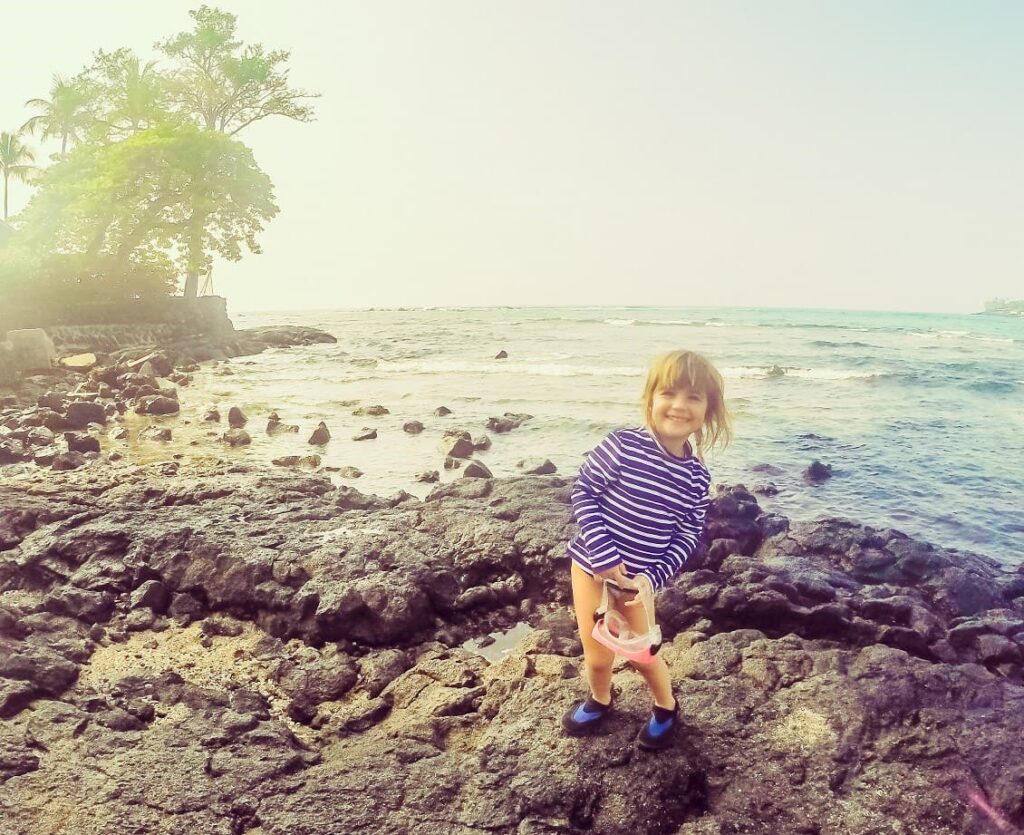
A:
659,682
598,659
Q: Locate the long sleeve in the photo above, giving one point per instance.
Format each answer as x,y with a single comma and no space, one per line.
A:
599,471
686,536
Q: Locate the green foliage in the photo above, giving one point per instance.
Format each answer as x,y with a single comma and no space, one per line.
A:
16,160
123,95
174,191
79,289
225,85
63,116
149,181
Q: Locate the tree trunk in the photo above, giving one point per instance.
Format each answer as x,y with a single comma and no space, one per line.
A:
192,284
5,195
195,255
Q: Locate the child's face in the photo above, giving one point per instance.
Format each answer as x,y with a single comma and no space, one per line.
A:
677,412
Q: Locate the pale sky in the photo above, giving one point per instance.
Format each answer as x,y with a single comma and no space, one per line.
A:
827,153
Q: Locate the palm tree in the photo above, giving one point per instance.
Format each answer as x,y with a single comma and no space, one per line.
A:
64,115
125,95
14,161
141,94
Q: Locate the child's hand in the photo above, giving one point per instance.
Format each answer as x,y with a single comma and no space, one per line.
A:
642,586
618,576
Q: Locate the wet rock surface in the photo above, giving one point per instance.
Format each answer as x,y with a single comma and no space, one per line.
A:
228,649
36,411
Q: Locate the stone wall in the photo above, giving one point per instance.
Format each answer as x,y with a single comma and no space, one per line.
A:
205,316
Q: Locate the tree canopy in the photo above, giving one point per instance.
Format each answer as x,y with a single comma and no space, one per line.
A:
170,195
225,84
151,183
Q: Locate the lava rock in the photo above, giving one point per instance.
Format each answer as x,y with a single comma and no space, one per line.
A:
321,435
537,466
82,412
236,418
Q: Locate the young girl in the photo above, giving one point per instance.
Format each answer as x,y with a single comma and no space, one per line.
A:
640,502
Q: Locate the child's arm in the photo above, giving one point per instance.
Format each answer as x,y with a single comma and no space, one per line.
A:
686,536
599,471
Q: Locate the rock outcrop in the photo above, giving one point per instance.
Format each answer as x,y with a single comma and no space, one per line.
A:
230,649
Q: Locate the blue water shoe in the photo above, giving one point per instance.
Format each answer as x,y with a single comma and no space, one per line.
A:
660,729
585,717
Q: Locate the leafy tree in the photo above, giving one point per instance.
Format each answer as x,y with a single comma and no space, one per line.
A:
171,193
15,161
226,86
123,95
64,115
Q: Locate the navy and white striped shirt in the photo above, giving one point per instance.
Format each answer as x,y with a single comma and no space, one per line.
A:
638,505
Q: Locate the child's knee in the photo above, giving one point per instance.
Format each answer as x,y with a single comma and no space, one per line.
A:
599,663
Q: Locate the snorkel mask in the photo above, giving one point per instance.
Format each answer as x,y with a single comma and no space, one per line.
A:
612,630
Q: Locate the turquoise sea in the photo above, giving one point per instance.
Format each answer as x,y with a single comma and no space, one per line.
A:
921,416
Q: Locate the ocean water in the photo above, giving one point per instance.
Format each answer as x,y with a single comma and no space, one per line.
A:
919,415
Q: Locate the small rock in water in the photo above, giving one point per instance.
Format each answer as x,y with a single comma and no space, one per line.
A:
775,371
321,435
537,466
236,418
818,472
429,476
157,404
457,444
508,422
501,355
306,461
371,411
441,411
366,435
483,442
237,437
413,427
476,469
452,463
156,433
350,472
768,469
147,370
213,416
766,489
119,433
275,427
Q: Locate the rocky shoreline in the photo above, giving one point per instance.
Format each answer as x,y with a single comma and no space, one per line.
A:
56,419
228,649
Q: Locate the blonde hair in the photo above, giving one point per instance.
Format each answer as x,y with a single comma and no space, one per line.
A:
688,369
